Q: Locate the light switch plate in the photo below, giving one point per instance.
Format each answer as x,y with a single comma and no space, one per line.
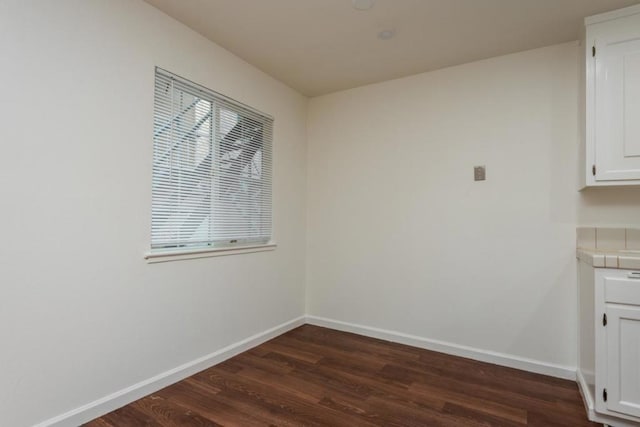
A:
479,173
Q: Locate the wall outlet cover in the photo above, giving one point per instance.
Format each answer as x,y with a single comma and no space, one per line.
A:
479,173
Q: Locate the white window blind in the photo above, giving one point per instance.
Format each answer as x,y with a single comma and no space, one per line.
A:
212,168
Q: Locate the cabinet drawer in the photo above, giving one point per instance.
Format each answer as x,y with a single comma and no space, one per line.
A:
624,289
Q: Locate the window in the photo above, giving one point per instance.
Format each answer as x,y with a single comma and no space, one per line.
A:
212,166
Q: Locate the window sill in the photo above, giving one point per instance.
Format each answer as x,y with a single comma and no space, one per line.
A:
181,254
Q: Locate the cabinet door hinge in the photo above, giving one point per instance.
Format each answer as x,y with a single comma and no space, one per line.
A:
604,319
593,170
604,394
593,51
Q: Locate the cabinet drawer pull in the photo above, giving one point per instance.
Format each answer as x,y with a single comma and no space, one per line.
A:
634,275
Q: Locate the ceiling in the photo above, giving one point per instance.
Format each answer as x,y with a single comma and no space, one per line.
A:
322,46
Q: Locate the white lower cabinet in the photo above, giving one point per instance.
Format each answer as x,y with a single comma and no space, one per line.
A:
609,351
617,297
622,336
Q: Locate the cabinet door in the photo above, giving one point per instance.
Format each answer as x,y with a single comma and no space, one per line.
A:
617,104
623,359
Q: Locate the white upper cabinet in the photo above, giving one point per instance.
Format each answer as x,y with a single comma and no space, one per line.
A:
613,98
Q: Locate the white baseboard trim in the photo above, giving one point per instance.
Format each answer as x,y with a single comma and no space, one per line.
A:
502,359
122,397
587,398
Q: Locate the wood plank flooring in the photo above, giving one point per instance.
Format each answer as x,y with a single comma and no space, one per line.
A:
313,376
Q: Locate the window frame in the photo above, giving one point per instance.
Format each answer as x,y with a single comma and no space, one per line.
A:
219,102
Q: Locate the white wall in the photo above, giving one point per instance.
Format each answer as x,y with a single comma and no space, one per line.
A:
82,314
399,235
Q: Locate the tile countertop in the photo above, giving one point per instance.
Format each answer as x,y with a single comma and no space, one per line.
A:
622,259
609,247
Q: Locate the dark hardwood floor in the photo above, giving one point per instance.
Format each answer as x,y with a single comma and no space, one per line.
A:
314,376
